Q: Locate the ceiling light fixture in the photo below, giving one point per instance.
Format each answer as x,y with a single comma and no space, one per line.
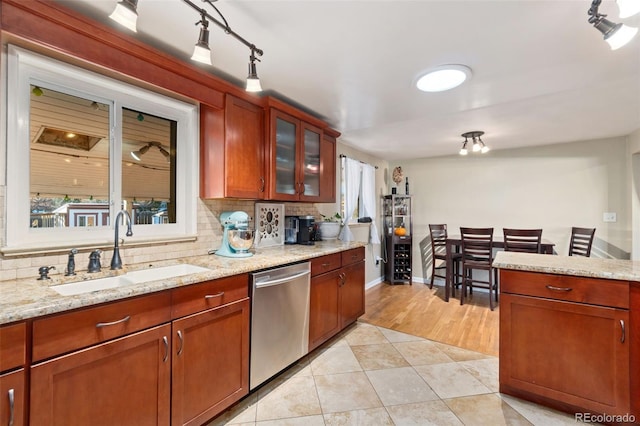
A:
478,144
253,82
126,14
617,35
443,77
628,8
202,52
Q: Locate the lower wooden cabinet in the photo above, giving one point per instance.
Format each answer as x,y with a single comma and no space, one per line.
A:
126,381
634,341
210,362
337,297
12,398
558,351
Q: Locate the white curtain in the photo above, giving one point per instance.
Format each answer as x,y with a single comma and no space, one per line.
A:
369,200
352,169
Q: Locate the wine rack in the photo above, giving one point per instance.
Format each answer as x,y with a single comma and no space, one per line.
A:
398,238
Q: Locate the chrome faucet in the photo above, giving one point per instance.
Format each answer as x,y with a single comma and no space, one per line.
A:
116,262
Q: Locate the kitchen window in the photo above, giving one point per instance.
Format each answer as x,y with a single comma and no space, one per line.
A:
82,146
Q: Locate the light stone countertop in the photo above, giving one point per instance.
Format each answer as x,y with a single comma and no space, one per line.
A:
614,269
30,298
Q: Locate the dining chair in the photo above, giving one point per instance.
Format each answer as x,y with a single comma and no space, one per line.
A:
477,253
439,236
581,241
522,240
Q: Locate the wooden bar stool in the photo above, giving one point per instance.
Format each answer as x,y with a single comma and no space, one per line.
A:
522,240
581,241
477,253
438,235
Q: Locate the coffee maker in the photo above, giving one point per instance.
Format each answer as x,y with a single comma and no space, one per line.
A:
299,230
306,230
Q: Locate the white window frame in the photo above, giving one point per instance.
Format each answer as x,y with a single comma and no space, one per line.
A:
25,68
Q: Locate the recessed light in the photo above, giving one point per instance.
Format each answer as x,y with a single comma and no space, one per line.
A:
443,77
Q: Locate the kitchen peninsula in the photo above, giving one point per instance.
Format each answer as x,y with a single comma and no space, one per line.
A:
173,337
569,333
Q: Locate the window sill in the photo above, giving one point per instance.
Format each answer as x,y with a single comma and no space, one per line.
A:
40,249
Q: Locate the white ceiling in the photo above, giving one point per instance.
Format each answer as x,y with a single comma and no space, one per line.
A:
541,73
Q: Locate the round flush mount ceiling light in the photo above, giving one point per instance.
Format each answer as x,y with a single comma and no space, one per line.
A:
443,77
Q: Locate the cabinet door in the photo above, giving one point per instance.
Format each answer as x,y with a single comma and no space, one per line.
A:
309,170
284,182
123,382
324,307
12,398
210,362
352,294
244,149
568,352
327,170
634,340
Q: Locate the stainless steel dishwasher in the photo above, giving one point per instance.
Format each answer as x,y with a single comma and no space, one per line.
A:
279,319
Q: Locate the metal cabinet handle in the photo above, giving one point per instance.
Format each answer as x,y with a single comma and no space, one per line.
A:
324,265
622,337
106,324
211,296
11,406
342,279
262,184
181,342
550,287
166,348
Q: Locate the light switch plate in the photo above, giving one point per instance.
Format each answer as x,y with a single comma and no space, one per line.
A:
609,217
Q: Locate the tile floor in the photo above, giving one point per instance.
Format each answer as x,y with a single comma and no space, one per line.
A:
370,375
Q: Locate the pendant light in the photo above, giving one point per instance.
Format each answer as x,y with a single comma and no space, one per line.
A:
202,52
253,82
617,35
126,14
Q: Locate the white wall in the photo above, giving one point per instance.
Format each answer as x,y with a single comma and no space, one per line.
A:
373,273
634,171
552,187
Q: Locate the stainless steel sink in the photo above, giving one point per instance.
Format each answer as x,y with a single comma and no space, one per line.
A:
133,277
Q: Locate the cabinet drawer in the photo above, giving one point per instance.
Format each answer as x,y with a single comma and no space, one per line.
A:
593,291
13,344
352,256
74,330
327,263
199,297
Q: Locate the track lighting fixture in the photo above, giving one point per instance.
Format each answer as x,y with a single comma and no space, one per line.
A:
137,155
628,8
617,35
126,14
202,52
253,82
478,144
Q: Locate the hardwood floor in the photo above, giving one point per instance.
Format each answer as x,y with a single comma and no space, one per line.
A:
417,310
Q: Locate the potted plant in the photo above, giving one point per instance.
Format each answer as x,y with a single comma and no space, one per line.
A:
330,226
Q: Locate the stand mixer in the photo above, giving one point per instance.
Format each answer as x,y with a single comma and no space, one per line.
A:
237,238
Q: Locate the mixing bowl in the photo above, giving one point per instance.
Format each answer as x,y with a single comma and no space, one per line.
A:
241,240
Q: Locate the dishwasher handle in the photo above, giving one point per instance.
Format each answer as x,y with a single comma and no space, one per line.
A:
270,283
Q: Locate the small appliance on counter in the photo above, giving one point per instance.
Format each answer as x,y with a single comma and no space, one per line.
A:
237,238
299,230
291,230
306,230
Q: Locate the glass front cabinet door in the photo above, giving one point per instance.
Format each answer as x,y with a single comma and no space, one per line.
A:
296,161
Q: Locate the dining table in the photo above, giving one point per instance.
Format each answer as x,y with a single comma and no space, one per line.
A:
453,245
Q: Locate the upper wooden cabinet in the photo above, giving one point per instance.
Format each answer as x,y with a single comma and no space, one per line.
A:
232,150
301,158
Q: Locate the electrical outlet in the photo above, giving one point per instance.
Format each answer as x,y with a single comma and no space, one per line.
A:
378,259
609,217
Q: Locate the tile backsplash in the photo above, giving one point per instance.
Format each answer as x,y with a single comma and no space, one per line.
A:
209,237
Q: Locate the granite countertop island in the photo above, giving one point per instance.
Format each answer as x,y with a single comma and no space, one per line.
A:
30,298
614,269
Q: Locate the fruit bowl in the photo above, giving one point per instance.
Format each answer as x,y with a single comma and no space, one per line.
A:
241,240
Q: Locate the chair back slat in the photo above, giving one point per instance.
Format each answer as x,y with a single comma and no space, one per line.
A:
438,235
581,241
476,244
522,240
